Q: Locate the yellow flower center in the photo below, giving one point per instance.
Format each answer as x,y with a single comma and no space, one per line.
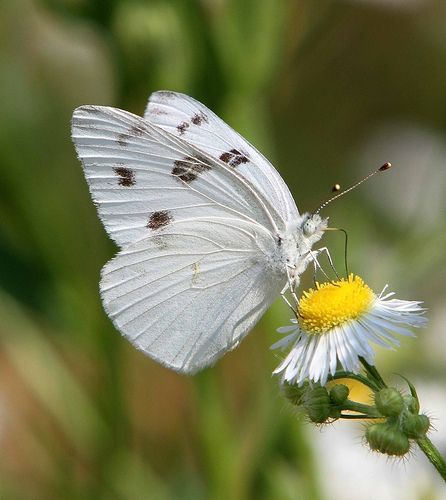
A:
332,304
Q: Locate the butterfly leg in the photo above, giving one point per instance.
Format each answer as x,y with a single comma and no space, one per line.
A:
314,256
283,292
287,302
330,260
314,272
292,284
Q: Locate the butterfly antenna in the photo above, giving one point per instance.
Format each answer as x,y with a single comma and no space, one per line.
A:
337,187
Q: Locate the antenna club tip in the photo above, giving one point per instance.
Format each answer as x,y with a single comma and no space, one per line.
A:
384,167
335,188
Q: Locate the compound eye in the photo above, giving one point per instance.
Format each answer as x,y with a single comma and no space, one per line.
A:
308,228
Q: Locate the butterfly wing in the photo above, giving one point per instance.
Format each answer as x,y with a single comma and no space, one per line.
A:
190,120
191,291
200,260
142,177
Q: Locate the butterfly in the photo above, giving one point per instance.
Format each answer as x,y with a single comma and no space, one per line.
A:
208,231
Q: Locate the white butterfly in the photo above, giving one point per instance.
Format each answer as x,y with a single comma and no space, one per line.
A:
208,230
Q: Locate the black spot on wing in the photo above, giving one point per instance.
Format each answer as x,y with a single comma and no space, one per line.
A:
157,111
182,127
137,130
189,168
159,219
122,140
199,118
239,159
94,110
226,157
165,95
234,158
126,176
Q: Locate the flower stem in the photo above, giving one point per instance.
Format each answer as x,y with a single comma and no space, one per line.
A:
347,416
355,376
433,455
366,410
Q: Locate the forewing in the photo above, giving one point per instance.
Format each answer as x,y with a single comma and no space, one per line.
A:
188,294
190,120
143,178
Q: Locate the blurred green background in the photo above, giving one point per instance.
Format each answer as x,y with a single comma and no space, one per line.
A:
328,90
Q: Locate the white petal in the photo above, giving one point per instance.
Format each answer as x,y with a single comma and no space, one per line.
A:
285,342
286,329
361,337
351,353
332,353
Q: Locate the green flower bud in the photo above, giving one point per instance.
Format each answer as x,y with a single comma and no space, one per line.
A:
317,404
387,439
311,399
389,402
294,393
416,426
339,394
412,404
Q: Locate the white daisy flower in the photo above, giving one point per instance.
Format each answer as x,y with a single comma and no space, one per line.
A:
337,322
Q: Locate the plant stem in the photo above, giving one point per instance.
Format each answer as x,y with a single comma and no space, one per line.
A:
347,416
355,376
433,455
367,410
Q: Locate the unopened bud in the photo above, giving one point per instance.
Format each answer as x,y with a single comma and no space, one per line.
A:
294,393
387,439
416,426
389,402
317,403
412,404
339,394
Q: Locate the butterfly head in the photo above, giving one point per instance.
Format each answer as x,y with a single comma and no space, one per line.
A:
299,239
313,226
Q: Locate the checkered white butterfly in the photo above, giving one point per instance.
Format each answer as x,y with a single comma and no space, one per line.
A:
208,231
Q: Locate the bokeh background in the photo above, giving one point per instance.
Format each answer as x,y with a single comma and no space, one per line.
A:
328,90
